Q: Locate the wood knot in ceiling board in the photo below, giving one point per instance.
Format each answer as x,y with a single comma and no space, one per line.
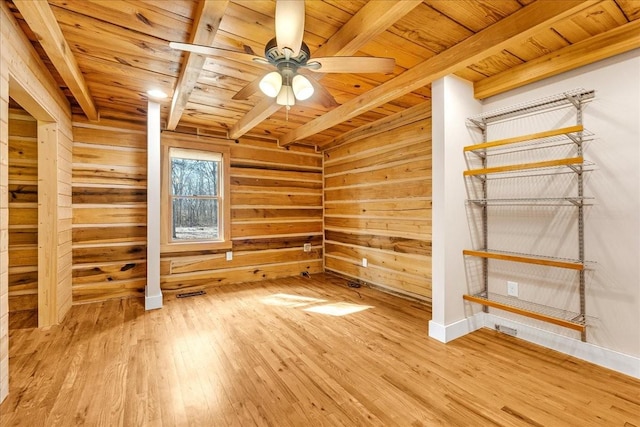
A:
122,61
543,50
145,46
595,12
143,19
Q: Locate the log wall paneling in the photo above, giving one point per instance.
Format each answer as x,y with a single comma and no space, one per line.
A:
109,212
25,78
276,207
377,205
23,210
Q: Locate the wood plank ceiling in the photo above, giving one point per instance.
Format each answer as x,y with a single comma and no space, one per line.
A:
121,49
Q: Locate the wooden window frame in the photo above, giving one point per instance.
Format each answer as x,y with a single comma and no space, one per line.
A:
224,242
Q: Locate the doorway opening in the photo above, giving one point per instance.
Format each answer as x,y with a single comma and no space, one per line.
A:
23,218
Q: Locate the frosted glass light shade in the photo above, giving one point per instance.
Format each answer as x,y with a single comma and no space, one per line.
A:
302,87
271,83
285,97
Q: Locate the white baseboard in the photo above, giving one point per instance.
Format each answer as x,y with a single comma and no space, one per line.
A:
623,363
446,333
152,302
619,362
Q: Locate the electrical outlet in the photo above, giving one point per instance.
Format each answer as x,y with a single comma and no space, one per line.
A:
512,289
365,263
229,256
307,247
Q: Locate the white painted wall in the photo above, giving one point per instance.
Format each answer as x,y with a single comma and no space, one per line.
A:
452,103
612,224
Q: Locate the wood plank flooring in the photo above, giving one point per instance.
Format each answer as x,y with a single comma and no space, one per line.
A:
255,354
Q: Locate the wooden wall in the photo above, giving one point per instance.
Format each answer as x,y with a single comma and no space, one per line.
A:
109,211
276,207
377,192
23,210
24,77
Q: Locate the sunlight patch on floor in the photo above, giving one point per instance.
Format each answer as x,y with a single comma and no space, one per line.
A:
338,308
286,300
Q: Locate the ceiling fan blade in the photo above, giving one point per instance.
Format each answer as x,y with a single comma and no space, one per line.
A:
248,90
352,64
321,95
219,52
289,25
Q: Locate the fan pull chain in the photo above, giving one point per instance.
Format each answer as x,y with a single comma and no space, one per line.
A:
287,107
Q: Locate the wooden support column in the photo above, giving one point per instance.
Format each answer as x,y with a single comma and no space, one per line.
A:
47,224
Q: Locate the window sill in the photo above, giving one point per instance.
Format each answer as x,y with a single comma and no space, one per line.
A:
195,246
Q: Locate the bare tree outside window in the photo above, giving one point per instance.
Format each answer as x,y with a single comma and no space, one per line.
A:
195,195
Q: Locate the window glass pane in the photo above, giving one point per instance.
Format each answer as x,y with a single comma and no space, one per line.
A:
194,177
195,219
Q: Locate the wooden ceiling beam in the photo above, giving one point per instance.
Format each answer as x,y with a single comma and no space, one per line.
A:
205,26
371,20
40,18
613,42
514,28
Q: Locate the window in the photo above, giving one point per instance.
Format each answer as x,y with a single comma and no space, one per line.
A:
195,197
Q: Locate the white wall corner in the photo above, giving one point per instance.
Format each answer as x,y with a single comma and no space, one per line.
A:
153,294
452,103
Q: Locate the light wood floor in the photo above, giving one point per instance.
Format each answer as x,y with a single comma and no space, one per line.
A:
232,357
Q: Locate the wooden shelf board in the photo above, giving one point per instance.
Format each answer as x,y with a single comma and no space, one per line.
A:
525,259
576,326
525,166
523,138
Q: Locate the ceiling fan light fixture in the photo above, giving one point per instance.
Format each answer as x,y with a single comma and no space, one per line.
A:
302,87
157,93
286,97
271,84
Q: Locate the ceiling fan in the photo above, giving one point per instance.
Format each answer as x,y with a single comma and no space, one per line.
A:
290,55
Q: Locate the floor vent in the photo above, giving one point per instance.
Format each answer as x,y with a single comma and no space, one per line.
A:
190,294
507,330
